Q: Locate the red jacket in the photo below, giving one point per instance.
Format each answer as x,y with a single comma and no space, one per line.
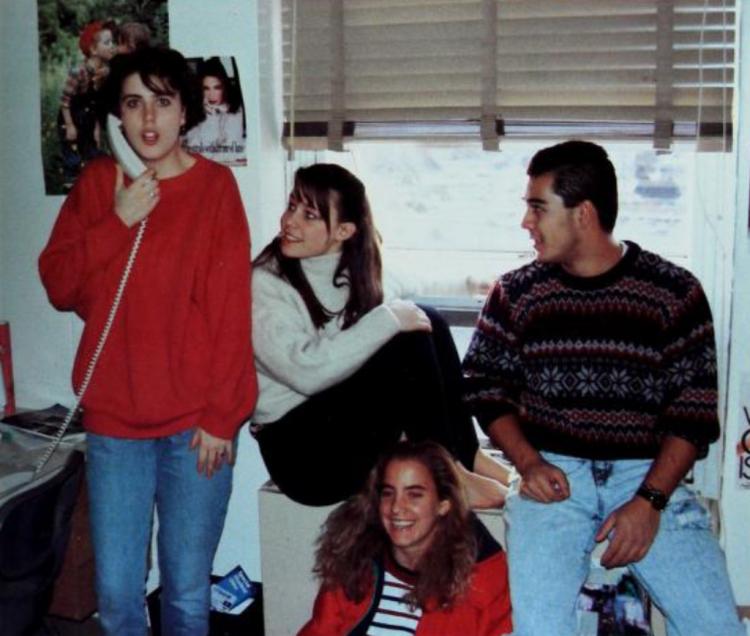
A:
483,611
179,354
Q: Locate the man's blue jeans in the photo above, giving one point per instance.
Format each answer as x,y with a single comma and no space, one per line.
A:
549,550
126,478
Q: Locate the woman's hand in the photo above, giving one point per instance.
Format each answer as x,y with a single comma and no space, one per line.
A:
212,451
134,203
409,316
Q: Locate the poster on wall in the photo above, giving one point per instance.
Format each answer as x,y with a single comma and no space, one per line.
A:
743,445
221,135
77,40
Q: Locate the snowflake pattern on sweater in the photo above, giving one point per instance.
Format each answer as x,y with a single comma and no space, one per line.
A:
601,367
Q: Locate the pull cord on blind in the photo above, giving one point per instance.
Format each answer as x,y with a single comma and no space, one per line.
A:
662,69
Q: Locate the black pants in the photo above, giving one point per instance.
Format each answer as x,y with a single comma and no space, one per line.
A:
322,450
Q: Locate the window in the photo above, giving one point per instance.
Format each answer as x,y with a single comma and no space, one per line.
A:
408,88
450,213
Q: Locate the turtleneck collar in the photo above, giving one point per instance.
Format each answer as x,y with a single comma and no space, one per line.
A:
321,265
319,271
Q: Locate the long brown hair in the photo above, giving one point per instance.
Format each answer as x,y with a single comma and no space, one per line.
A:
353,535
360,266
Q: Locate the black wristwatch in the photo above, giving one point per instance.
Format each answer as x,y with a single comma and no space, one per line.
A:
655,497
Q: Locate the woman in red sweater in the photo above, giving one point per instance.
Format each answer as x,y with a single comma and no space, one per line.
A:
176,378
405,556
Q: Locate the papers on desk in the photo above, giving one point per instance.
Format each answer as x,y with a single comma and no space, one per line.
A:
20,451
11,481
47,422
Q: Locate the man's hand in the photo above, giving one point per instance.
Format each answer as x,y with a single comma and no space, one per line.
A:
540,480
631,529
212,451
544,482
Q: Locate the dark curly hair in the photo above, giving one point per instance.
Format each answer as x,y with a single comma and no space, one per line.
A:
163,71
353,535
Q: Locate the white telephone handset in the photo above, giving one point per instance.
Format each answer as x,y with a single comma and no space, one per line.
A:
133,166
124,154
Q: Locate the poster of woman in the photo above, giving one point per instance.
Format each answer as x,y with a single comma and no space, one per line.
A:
221,135
77,40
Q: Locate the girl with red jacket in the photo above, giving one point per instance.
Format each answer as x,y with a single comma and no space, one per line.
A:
406,556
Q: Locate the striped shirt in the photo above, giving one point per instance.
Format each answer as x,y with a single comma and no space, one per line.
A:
394,616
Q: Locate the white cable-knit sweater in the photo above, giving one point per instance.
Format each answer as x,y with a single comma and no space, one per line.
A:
294,359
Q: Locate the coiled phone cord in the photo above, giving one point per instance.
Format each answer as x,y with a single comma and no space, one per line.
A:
97,352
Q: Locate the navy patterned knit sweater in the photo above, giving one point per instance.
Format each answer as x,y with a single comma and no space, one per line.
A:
601,367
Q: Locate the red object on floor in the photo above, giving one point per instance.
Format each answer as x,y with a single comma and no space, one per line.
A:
6,366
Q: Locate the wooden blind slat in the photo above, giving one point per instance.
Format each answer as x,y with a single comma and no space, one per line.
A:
587,60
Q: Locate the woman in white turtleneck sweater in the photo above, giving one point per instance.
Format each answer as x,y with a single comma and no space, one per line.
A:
343,374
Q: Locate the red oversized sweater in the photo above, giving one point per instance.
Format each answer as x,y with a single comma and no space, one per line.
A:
179,353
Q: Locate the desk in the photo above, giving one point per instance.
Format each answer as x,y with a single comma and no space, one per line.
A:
73,595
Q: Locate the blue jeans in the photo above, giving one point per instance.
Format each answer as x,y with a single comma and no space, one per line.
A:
126,477
549,554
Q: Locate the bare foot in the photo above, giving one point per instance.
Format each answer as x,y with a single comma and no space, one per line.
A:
488,467
481,492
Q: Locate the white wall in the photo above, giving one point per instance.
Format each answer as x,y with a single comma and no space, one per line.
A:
44,340
736,501
4,134
231,27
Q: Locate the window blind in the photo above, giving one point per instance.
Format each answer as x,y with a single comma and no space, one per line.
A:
380,68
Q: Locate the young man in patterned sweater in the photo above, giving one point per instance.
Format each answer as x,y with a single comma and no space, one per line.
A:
594,369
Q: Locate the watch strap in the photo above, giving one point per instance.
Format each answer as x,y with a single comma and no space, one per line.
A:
654,496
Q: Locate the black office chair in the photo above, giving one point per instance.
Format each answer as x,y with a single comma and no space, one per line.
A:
34,532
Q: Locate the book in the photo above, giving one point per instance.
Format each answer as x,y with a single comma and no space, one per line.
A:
234,592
